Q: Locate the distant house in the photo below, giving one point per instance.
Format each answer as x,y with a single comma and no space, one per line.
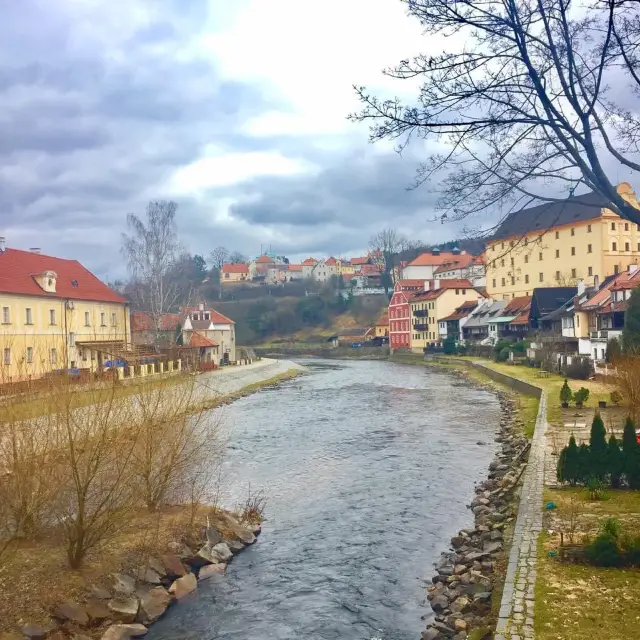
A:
262,265
294,272
426,264
324,270
143,331
514,321
462,266
307,268
476,328
381,328
234,273
453,324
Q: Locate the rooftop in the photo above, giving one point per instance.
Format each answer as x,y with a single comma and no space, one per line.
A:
434,259
235,268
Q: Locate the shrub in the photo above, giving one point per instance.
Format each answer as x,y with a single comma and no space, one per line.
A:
596,489
614,350
631,455
581,396
598,449
616,397
566,395
449,346
605,552
615,462
503,355
579,369
632,551
567,470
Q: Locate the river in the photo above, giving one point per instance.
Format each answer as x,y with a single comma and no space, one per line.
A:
367,467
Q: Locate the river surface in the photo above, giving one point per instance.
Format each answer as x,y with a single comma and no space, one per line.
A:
368,467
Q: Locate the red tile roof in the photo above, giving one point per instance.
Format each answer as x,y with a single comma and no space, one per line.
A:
214,316
383,320
357,261
141,321
235,268
431,260
309,262
295,267
198,340
626,280
369,270
18,267
406,285
331,261
264,260
460,262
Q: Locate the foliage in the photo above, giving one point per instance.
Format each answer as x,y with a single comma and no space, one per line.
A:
596,489
503,354
581,396
631,331
566,395
597,449
581,368
613,548
615,397
385,248
628,383
584,459
568,463
631,453
615,462
449,346
614,350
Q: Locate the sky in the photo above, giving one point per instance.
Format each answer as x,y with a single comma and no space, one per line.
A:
235,110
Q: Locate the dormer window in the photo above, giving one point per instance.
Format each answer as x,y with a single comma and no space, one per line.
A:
46,281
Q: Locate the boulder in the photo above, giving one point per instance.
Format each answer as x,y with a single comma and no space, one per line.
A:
149,576
124,608
460,625
173,567
212,570
235,546
153,604
430,634
459,605
97,611
458,541
440,603
99,593
255,529
158,566
35,632
222,552
123,584
124,632
492,546
72,612
183,586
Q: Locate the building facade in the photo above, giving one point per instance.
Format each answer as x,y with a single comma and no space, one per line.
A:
56,315
560,244
425,265
399,313
234,273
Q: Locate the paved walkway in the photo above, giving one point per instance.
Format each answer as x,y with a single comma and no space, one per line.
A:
515,621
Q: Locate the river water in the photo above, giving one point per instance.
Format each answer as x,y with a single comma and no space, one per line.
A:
367,467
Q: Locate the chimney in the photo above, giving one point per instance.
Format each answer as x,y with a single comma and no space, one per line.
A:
596,282
435,251
427,285
436,285
633,268
2,244
580,287
34,249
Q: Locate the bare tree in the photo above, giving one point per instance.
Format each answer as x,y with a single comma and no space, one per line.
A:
218,257
152,251
530,102
384,247
237,258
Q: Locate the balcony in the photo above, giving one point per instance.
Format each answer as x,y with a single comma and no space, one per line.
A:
420,313
606,334
421,326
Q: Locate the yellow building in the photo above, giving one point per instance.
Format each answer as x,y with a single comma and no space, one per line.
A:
440,299
559,244
234,273
56,315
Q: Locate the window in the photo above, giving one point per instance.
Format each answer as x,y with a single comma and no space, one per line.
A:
614,246
6,315
589,249
53,356
493,248
573,273
626,226
526,259
526,279
512,262
588,228
502,246
557,253
504,282
541,277
457,292
84,355
494,283
103,319
557,234
513,280
114,319
502,262
573,231
573,251
29,356
7,355
72,339
613,226
590,272
87,319
557,275
28,316
511,244
52,316
616,269
540,256
627,246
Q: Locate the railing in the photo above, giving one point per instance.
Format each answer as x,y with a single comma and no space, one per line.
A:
420,313
606,334
420,326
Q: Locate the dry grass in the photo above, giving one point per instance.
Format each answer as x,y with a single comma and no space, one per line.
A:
574,602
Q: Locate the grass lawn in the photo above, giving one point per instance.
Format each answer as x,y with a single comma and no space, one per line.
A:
575,602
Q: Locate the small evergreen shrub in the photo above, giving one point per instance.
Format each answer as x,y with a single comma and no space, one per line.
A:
581,396
503,355
579,369
605,552
616,398
566,395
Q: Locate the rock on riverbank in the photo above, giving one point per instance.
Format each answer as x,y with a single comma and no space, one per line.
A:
138,597
461,590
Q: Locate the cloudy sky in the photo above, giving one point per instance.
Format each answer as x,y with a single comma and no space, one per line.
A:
234,109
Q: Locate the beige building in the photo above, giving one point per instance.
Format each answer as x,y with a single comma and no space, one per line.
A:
439,299
560,244
234,273
56,315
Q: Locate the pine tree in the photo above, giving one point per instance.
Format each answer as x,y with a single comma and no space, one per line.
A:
597,449
561,468
584,464
570,465
615,462
631,455
631,331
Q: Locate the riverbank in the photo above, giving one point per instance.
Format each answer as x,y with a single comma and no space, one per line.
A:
35,578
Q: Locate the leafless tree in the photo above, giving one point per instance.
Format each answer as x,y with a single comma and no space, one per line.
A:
384,247
152,251
237,258
218,257
529,102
